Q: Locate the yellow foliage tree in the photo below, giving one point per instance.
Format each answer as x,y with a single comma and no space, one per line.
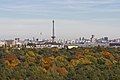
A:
31,54
55,49
84,60
86,51
74,62
47,60
43,69
11,61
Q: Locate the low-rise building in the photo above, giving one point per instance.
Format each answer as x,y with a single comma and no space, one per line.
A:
114,44
9,43
2,43
70,46
50,45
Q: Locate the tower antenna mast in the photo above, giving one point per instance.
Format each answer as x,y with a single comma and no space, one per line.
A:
53,32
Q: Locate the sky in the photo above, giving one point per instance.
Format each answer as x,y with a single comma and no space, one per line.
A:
73,18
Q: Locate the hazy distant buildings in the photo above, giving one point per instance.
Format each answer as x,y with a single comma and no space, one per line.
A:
50,43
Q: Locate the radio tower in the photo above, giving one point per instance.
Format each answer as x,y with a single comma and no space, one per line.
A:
53,33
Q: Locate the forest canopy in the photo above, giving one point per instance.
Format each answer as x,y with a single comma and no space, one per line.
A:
95,63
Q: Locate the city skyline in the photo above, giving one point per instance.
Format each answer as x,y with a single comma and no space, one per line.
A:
73,18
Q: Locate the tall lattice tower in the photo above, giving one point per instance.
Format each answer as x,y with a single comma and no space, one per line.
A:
53,32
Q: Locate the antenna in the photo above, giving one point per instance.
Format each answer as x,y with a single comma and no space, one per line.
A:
53,32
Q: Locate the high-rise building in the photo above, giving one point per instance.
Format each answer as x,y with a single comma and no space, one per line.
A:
92,38
106,38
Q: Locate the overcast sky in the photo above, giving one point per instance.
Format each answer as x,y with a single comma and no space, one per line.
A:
73,18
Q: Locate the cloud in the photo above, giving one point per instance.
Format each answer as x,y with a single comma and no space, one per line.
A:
53,6
62,9
26,5
88,3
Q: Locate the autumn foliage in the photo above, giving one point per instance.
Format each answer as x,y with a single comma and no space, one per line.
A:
60,64
108,54
11,60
